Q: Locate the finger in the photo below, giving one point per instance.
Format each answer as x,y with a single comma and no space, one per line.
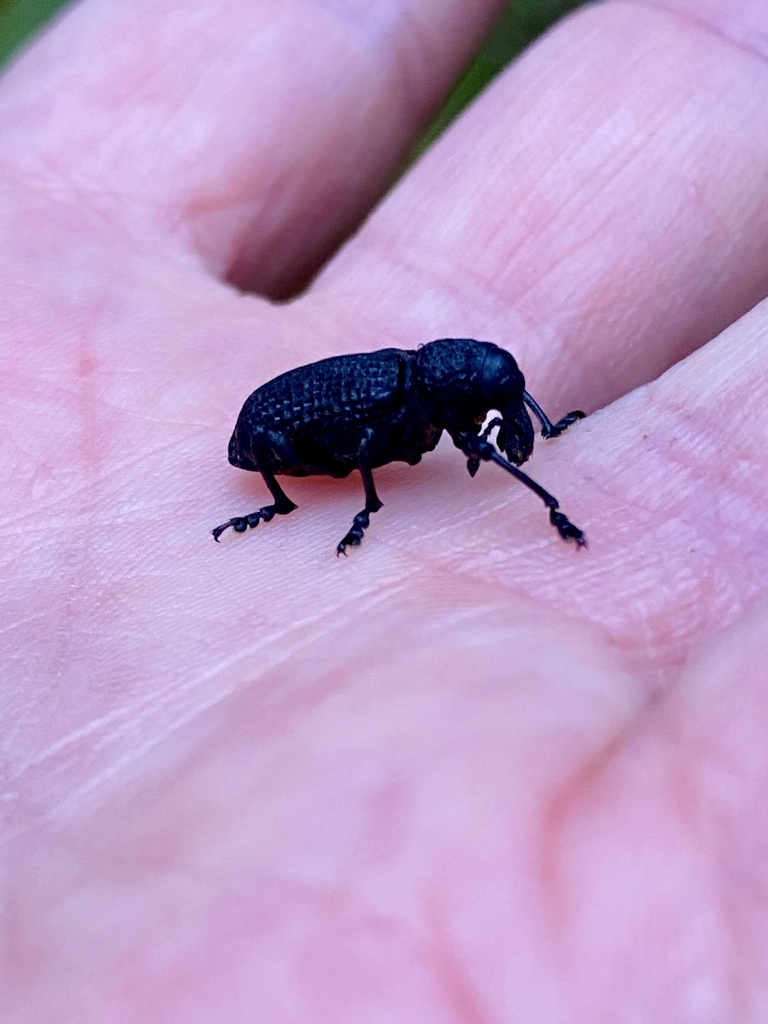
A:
259,131
614,209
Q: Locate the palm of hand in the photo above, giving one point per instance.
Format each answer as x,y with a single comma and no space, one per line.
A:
464,774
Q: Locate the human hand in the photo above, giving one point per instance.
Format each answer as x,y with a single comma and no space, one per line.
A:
465,773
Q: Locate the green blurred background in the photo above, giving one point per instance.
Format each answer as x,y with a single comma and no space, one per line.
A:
20,18
521,23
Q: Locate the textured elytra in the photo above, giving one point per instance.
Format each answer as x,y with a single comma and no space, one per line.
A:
355,388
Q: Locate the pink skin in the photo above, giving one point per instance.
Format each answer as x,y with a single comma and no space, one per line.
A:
464,775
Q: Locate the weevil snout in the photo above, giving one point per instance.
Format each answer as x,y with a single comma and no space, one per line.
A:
516,435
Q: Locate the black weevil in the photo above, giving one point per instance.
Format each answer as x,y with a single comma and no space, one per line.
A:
363,411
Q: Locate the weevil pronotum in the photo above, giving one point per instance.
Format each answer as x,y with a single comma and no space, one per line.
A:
363,411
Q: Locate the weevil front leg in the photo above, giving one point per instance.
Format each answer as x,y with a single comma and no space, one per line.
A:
282,506
373,503
479,449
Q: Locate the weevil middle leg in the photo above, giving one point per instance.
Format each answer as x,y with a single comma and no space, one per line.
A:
373,503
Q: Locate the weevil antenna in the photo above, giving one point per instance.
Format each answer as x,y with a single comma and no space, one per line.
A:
533,405
548,428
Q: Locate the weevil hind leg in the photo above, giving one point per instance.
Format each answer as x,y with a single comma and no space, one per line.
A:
282,506
373,503
262,515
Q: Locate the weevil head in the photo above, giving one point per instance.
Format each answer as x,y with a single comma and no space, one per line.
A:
465,379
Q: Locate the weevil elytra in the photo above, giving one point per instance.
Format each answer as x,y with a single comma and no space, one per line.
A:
363,411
